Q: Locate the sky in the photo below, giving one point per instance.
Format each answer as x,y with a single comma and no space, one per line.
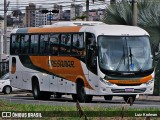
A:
49,4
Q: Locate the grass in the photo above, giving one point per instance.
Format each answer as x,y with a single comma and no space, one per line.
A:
71,113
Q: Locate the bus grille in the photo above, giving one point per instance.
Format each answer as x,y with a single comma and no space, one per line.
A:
123,90
128,84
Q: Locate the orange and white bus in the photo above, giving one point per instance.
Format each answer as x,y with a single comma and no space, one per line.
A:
84,61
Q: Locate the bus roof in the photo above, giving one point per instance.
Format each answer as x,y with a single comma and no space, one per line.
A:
116,30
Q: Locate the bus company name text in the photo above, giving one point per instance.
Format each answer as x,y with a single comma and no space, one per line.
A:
61,63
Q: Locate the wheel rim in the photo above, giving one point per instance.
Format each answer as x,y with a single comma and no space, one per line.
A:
8,90
35,91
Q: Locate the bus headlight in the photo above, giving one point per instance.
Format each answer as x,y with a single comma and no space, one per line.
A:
149,82
105,82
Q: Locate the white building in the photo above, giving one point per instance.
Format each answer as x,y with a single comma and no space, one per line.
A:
76,11
4,43
40,18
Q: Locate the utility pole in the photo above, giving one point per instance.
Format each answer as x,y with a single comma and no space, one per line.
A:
87,10
5,25
134,12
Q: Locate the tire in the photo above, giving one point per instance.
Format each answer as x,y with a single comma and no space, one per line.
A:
74,97
81,93
129,99
108,97
7,90
45,95
58,95
36,91
37,94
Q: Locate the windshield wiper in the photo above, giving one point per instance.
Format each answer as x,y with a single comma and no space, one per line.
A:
131,57
130,54
120,62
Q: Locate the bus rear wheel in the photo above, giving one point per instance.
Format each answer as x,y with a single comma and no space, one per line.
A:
129,98
81,94
108,97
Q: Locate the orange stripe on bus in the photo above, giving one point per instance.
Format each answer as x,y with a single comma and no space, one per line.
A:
132,81
55,29
66,67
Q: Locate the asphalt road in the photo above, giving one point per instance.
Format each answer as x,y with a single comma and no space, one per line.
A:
27,98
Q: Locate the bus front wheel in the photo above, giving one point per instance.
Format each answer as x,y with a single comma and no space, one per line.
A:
37,94
36,90
129,98
81,93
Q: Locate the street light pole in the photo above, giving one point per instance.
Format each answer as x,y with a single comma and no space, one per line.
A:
50,11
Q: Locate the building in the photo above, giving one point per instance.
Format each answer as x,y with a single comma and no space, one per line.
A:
76,11
30,15
66,15
58,16
96,14
40,18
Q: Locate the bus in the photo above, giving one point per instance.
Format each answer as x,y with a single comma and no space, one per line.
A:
82,61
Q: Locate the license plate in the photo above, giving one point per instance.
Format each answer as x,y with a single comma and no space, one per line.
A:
129,90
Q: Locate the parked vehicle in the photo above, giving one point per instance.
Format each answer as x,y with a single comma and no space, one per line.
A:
5,86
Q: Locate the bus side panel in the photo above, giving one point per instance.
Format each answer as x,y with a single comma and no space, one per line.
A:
53,84
43,81
94,82
26,81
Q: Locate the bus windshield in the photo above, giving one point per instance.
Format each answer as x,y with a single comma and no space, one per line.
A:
124,53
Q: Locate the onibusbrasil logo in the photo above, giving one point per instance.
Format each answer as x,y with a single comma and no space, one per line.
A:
21,115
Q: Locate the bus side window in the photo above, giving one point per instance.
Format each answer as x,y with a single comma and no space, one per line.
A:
13,45
17,44
44,44
25,44
78,44
34,44
65,45
54,44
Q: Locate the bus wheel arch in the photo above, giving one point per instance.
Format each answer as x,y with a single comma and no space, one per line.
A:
81,93
37,94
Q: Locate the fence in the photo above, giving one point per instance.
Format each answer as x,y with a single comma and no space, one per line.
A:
4,68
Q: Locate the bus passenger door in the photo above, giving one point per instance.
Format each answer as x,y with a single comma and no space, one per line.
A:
16,73
91,62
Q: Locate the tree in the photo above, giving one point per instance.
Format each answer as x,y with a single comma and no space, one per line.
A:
119,13
16,13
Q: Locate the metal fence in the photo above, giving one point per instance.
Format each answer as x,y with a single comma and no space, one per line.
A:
4,68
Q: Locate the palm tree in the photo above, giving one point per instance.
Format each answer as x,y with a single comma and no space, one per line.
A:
119,13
